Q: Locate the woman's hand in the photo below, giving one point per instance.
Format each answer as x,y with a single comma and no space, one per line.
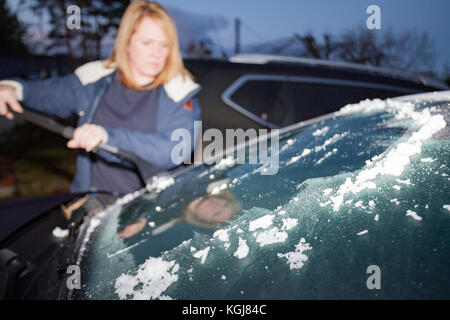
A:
88,137
8,96
132,229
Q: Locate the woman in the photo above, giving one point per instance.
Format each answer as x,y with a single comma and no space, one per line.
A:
211,211
134,100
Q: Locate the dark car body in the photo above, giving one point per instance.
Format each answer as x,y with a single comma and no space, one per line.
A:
244,92
412,231
261,91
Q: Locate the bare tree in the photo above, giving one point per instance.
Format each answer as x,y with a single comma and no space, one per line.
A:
407,50
98,19
11,31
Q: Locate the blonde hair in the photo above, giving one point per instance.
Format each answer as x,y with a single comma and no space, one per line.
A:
190,214
131,19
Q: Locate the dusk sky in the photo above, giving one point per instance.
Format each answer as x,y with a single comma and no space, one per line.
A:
265,20
268,20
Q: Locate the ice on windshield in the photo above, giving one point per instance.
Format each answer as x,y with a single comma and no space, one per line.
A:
346,188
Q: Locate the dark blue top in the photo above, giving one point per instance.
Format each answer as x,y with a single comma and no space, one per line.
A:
130,109
80,94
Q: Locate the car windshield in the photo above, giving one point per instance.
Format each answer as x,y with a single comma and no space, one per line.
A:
367,189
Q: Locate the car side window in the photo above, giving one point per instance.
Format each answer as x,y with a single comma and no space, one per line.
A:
279,103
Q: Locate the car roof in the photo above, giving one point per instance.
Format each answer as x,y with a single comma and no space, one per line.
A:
251,58
430,96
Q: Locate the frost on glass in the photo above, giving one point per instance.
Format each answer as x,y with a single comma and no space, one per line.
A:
370,187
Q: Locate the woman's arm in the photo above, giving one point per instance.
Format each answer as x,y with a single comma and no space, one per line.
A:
156,148
132,229
60,96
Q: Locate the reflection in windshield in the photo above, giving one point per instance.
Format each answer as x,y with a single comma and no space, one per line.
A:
210,211
368,188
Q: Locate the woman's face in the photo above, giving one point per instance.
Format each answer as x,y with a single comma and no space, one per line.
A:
212,209
147,51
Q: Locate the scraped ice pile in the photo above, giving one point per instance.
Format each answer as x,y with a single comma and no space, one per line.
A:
225,163
242,250
320,132
60,233
155,274
395,159
296,259
160,183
